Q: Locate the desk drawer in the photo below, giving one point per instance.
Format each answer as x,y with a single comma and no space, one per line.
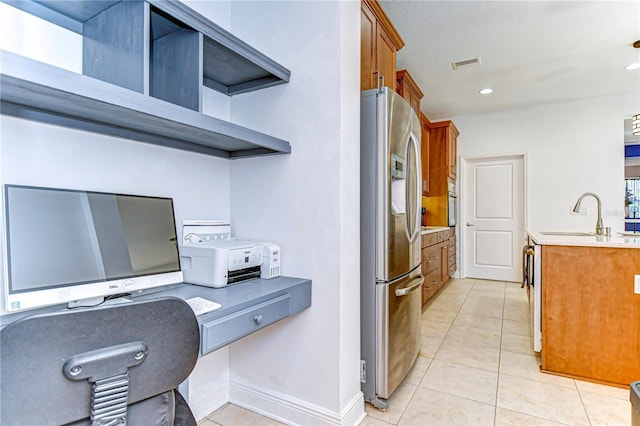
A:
222,331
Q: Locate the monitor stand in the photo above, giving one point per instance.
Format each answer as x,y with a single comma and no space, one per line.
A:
84,303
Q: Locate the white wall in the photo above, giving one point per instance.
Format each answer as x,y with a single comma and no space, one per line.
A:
308,202
572,147
45,155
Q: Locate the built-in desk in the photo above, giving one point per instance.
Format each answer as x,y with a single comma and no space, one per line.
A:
246,307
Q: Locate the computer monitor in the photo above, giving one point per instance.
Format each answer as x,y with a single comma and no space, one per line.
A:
77,247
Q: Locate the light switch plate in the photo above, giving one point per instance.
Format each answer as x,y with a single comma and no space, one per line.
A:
636,285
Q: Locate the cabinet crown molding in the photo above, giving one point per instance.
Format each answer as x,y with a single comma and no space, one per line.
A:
404,74
386,23
447,123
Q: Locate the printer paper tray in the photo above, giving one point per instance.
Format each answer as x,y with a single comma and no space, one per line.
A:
243,274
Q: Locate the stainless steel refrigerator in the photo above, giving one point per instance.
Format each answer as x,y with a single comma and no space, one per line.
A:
390,203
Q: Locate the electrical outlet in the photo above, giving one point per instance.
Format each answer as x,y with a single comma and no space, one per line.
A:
636,285
584,210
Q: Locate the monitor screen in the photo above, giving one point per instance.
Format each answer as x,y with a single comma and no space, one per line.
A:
60,241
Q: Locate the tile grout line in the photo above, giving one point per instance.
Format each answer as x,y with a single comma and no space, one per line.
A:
582,402
434,357
495,405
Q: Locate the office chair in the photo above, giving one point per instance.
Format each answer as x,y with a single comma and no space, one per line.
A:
106,365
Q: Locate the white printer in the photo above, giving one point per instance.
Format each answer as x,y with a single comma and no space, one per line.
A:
209,256
222,262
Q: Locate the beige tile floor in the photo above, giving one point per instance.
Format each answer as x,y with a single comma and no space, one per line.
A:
477,367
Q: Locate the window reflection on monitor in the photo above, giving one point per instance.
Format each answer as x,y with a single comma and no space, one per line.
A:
67,245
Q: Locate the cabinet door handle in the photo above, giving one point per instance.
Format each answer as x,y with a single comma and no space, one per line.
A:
470,224
379,79
257,319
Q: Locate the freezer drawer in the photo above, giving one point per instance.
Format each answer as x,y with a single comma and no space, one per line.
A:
399,308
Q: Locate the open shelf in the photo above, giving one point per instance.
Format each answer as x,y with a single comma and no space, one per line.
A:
175,61
229,65
41,92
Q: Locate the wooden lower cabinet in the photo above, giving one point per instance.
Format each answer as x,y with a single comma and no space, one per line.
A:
590,314
436,262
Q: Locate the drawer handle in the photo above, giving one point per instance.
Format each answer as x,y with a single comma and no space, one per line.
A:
257,319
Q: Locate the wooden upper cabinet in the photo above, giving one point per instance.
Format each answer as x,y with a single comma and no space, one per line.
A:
446,134
424,143
367,47
379,42
408,89
452,151
442,141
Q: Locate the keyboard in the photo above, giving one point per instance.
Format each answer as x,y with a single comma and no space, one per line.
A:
201,306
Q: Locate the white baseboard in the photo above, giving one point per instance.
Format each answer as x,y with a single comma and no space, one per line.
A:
209,401
293,411
353,413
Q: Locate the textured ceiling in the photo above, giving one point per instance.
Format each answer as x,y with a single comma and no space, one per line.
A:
532,52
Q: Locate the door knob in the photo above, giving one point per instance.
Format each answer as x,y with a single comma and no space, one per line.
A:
470,224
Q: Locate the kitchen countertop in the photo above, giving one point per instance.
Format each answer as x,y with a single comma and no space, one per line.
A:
432,229
615,240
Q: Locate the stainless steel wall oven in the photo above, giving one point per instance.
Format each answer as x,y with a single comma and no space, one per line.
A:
453,204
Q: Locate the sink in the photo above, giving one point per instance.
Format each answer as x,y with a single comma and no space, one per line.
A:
570,233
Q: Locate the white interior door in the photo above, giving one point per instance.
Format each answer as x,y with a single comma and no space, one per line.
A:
493,224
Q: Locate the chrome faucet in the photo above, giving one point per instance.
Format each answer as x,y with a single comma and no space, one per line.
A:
576,209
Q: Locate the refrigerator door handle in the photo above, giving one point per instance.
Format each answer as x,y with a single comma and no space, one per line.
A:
416,226
413,284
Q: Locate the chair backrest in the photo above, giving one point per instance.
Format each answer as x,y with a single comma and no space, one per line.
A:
51,363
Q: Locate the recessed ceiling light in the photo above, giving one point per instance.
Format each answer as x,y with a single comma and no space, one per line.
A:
486,91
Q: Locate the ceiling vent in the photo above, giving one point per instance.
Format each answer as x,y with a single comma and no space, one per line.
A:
456,65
